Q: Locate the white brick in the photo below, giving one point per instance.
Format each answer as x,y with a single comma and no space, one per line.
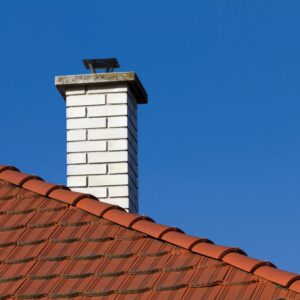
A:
76,135
86,169
86,123
76,158
84,100
118,168
133,179
132,98
133,121
99,192
86,146
131,138
133,153
102,145
103,157
117,145
107,180
107,134
116,98
133,192
107,110
133,144
132,106
97,90
118,191
75,91
117,121
133,158
77,181
133,165
132,130
76,112
132,171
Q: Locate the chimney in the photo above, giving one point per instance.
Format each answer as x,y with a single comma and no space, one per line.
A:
101,110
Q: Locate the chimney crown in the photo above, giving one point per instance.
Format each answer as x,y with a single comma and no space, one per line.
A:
65,83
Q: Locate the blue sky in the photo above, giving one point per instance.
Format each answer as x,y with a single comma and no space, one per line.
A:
219,141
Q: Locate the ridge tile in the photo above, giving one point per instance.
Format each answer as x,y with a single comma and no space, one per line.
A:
153,229
124,218
214,251
244,262
183,240
68,196
16,177
279,276
41,187
95,207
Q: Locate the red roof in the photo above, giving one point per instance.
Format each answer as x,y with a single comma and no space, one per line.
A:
56,243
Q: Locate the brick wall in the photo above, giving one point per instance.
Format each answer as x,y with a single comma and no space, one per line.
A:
102,144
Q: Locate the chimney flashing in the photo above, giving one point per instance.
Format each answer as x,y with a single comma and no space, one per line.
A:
64,83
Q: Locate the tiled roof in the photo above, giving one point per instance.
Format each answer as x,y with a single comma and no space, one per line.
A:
55,243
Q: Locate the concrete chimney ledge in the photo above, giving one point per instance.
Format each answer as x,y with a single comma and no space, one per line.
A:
102,146
64,83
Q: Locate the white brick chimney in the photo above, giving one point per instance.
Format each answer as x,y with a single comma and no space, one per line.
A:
102,135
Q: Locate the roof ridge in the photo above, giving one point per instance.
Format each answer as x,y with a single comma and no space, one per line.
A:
86,202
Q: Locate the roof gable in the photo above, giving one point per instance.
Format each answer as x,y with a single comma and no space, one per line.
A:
57,243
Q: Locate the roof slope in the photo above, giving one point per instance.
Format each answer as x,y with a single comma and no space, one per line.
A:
55,243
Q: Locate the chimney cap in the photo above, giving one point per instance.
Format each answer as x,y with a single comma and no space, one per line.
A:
109,64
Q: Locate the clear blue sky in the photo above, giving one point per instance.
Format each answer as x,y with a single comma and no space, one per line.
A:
219,141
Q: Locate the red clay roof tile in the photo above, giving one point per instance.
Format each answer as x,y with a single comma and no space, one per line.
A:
123,218
16,177
95,207
183,240
42,188
244,262
153,229
3,168
81,248
279,276
67,196
295,286
214,251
